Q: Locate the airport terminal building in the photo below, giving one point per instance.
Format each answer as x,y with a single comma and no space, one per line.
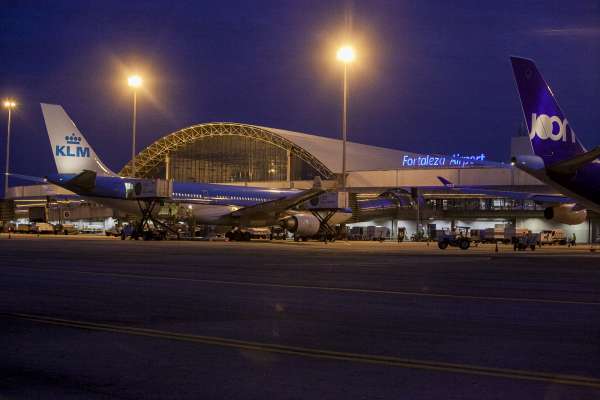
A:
242,154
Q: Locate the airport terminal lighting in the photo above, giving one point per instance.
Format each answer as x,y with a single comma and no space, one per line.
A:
134,81
346,55
9,104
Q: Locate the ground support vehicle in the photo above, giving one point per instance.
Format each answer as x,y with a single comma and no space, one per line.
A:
458,237
555,236
500,233
42,228
23,228
65,229
526,241
371,232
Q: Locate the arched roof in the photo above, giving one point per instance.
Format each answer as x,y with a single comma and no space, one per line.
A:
323,154
155,153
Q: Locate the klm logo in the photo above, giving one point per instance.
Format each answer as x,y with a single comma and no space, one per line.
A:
72,148
545,127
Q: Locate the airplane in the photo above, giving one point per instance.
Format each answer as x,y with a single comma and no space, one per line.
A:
81,171
555,157
559,208
558,158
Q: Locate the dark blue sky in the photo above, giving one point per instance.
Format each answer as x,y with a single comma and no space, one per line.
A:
432,76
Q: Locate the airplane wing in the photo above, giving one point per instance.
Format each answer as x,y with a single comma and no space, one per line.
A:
28,178
537,197
281,204
571,165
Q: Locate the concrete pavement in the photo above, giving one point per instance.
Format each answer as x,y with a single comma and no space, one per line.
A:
103,318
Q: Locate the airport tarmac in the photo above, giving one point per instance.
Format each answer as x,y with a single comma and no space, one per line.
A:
100,318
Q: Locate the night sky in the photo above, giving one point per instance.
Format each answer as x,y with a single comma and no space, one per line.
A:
432,76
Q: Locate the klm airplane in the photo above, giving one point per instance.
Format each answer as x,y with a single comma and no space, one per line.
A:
81,171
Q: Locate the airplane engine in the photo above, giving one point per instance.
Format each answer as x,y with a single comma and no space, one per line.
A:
301,224
565,214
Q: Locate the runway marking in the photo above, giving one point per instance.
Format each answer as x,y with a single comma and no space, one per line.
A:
321,288
571,380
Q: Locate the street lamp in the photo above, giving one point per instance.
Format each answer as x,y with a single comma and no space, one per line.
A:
135,82
346,55
9,105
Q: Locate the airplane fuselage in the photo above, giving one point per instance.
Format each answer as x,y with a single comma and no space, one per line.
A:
207,203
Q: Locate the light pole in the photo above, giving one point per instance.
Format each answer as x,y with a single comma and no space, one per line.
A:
134,81
9,105
346,55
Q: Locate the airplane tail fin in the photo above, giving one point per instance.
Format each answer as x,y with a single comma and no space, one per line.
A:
71,151
550,133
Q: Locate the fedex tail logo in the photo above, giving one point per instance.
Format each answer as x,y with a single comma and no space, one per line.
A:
553,128
72,151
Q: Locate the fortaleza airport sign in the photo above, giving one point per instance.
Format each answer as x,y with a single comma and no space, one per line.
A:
437,161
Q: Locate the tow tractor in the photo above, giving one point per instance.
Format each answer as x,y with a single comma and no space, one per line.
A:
457,237
529,240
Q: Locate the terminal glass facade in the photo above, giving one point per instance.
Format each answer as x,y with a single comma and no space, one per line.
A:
228,158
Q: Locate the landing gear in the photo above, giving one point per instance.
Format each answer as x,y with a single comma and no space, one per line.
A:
327,233
143,229
238,235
